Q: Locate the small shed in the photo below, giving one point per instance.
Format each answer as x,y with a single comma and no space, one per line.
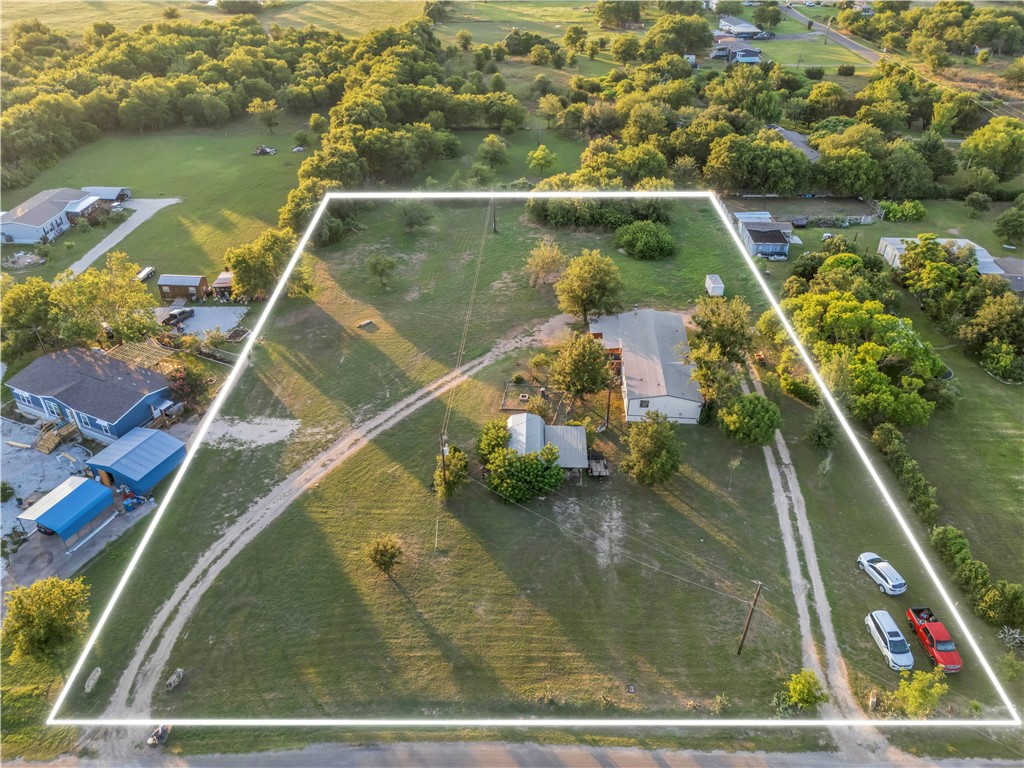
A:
529,434
223,285
714,286
182,287
72,510
140,460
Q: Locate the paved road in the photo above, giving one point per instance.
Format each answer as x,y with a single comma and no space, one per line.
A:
499,755
144,210
834,36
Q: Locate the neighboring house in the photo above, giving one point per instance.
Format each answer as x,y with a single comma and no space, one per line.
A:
223,285
182,287
140,460
763,236
736,53
647,348
105,397
891,248
47,215
1013,273
110,194
737,27
528,434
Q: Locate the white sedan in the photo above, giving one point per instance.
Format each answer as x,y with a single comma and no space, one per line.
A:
884,575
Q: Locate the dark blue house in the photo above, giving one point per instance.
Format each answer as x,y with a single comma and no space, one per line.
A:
140,460
106,398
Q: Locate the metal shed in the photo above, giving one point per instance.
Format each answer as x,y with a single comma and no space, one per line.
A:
140,460
71,510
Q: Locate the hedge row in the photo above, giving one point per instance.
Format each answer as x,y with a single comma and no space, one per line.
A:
1002,602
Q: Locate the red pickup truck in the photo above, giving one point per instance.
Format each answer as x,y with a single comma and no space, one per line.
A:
935,638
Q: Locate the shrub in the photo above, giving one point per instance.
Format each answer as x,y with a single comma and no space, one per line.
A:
82,227
814,73
645,240
823,429
1001,360
846,70
1003,604
493,437
6,491
974,579
1011,666
384,552
951,545
908,210
751,419
540,361
799,388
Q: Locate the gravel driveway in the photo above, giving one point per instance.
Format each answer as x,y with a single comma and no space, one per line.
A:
144,210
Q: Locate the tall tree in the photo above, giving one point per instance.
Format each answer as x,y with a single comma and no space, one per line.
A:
451,472
590,286
575,37
998,145
493,150
257,266
25,314
546,262
382,267
751,419
541,158
726,323
44,621
581,367
767,16
264,111
653,450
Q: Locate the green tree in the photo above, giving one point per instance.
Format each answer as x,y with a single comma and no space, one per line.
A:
714,373
382,267
654,453
318,124
46,620
82,304
541,158
626,48
451,472
646,240
767,16
463,39
590,286
725,323
540,55
1014,71
676,34
939,157
493,150
518,478
823,429
265,111
257,266
751,419
998,145
414,213
906,173
919,694
384,552
581,367
545,263
575,37
1009,226
550,106
497,83
978,202
25,314
188,381
805,689
493,437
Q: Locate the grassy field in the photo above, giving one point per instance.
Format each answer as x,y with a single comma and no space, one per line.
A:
227,195
354,17
812,52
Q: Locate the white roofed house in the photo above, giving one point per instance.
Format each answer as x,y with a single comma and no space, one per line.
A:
648,347
47,215
891,248
529,434
110,194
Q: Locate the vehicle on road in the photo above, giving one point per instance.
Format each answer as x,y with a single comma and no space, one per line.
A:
890,641
176,316
935,638
145,273
810,4
884,575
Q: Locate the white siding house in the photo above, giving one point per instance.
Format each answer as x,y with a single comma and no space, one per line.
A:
46,216
891,248
648,346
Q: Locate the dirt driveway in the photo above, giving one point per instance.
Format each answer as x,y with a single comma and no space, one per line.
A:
144,211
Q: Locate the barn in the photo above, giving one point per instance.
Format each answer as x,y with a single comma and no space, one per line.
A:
73,511
140,460
173,287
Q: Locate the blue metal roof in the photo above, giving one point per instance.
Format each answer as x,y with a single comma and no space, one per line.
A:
138,453
69,506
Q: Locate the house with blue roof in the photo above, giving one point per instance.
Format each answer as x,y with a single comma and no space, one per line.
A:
104,397
140,460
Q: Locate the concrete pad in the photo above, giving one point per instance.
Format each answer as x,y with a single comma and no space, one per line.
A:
211,318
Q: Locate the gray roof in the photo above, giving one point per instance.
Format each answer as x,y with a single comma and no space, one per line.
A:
528,434
42,207
89,381
987,265
758,235
188,281
653,344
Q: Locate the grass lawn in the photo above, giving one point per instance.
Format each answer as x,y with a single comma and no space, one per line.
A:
228,196
29,690
352,18
813,52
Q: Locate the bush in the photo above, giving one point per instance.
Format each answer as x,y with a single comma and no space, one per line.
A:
974,579
645,240
908,210
814,73
846,70
1001,360
823,429
6,491
799,388
1003,604
951,545
751,419
384,552
493,437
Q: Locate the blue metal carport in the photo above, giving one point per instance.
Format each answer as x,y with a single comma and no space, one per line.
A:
70,507
140,459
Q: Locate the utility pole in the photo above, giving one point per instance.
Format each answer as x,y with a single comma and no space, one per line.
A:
828,27
444,463
750,615
494,217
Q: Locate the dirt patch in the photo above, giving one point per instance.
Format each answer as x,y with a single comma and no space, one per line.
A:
610,535
507,283
23,260
230,432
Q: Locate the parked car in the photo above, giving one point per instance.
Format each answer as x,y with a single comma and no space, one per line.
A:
810,4
176,316
765,36
884,575
777,257
145,273
935,638
890,641
827,236
800,221
117,207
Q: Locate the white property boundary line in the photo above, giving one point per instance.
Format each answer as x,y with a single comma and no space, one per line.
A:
534,722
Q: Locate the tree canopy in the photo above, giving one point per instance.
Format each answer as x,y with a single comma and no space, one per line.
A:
44,621
654,452
590,286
